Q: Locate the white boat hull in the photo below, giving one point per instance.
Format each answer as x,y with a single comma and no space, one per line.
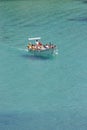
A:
44,53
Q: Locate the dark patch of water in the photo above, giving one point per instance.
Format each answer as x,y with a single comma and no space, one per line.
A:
79,19
43,121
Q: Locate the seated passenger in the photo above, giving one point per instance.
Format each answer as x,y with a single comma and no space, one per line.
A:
39,44
47,46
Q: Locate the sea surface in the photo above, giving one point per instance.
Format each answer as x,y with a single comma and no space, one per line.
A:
43,93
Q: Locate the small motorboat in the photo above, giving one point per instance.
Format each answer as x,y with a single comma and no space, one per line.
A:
39,49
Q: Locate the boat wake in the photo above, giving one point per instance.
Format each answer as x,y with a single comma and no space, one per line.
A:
22,49
19,49
56,52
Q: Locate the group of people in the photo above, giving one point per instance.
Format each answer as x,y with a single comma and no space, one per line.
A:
40,46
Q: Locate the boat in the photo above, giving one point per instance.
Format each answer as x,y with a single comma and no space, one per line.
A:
37,48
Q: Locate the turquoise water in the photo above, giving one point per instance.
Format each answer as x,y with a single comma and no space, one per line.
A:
37,93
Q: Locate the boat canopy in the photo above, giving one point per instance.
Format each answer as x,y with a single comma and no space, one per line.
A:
34,38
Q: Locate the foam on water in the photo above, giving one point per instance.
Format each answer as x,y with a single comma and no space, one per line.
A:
22,49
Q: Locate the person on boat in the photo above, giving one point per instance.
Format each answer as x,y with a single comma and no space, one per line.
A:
47,46
37,42
38,45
